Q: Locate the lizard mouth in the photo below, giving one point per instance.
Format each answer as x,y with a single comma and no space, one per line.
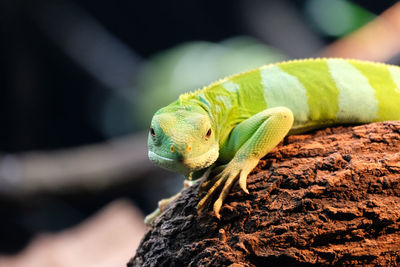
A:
186,165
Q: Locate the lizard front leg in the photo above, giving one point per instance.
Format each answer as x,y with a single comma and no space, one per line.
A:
248,142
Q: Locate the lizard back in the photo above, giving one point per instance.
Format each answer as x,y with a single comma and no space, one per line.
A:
319,92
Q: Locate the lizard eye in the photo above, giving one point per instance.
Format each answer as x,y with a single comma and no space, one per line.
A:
152,132
208,134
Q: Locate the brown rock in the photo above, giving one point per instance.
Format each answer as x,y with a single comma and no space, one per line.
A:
331,197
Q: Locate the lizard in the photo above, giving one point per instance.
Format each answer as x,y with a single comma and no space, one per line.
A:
220,132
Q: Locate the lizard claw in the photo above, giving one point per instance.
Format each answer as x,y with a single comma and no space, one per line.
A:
231,173
214,186
243,179
224,193
211,172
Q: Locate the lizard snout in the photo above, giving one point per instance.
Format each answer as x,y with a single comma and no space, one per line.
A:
180,150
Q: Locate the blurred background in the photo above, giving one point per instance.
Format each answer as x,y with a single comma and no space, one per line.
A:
81,79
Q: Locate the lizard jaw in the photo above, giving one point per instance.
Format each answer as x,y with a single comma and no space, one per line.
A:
186,165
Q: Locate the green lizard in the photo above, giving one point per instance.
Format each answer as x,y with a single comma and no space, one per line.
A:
224,129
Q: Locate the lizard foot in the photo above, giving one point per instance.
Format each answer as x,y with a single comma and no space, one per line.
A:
208,183
223,182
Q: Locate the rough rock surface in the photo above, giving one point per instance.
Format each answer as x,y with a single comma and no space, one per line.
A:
331,197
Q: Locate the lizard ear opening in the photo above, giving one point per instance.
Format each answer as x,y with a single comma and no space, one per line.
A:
208,134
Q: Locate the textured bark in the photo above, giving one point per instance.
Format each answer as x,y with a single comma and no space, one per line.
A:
331,197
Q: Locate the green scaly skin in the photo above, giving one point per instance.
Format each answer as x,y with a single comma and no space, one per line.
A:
222,131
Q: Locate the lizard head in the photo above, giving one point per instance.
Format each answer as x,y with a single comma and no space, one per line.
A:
182,139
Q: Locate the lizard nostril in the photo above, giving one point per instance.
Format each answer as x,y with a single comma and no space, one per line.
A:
189,148
172,149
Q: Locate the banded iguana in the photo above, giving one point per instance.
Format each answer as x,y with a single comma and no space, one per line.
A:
224,129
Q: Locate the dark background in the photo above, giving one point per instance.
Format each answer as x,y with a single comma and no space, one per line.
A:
45,94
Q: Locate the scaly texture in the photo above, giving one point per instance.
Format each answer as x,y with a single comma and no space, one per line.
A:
231,124
331,197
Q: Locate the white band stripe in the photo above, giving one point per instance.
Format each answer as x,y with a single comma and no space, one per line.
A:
283,89
357,101
231,86
395,73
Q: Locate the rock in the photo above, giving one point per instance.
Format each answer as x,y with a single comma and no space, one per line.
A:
330,197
